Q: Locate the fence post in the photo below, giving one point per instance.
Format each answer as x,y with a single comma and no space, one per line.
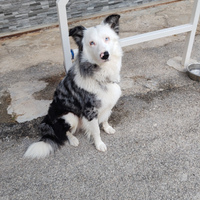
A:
191,35
64,31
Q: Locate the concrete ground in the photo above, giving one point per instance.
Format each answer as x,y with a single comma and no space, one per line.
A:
155,152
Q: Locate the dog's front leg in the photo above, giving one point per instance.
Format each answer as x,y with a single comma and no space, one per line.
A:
92,128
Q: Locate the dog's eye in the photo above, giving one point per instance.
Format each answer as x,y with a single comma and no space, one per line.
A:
92,43
107,39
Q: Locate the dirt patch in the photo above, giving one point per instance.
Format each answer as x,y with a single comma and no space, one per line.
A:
5,101
149,96
146,97
18,130
47,93
167,86
121,111
136,78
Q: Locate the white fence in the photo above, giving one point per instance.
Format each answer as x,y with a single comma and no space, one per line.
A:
189,28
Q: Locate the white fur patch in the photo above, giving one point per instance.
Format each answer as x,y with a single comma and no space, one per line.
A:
38,150
72,120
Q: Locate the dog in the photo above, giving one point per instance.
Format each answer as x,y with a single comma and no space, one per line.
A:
85,97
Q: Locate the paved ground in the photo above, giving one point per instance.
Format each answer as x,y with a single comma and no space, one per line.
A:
155,153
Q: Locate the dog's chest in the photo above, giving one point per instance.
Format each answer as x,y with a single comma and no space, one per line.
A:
109,95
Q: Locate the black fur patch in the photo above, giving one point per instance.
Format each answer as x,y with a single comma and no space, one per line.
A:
113,21
68,97
54,134
77,34
88,69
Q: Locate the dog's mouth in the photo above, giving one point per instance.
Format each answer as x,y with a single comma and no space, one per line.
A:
106,60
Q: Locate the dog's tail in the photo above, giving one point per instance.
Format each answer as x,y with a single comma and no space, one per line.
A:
54,136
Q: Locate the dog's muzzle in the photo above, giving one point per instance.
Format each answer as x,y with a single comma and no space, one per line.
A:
104,55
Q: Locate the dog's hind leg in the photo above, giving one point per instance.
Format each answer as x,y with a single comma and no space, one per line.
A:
92,128
73,121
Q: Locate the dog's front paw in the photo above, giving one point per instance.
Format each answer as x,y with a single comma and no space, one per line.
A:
101,147
109,130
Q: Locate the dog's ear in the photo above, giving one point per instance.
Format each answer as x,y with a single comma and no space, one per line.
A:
77,34
113,22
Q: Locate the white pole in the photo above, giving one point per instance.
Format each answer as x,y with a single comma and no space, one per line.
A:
191,35
155,35
64,31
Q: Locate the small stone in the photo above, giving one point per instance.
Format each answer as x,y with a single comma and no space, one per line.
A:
184,177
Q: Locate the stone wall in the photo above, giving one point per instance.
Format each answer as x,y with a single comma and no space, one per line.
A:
16,15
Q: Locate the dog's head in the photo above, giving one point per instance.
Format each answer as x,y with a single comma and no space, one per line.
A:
97,44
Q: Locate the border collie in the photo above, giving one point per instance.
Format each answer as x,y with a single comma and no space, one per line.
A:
85,97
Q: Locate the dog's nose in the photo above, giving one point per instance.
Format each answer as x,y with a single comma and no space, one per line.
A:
104,55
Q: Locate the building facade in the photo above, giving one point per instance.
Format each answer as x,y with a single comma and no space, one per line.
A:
17,15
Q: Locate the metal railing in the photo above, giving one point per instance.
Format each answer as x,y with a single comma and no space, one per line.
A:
189,28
